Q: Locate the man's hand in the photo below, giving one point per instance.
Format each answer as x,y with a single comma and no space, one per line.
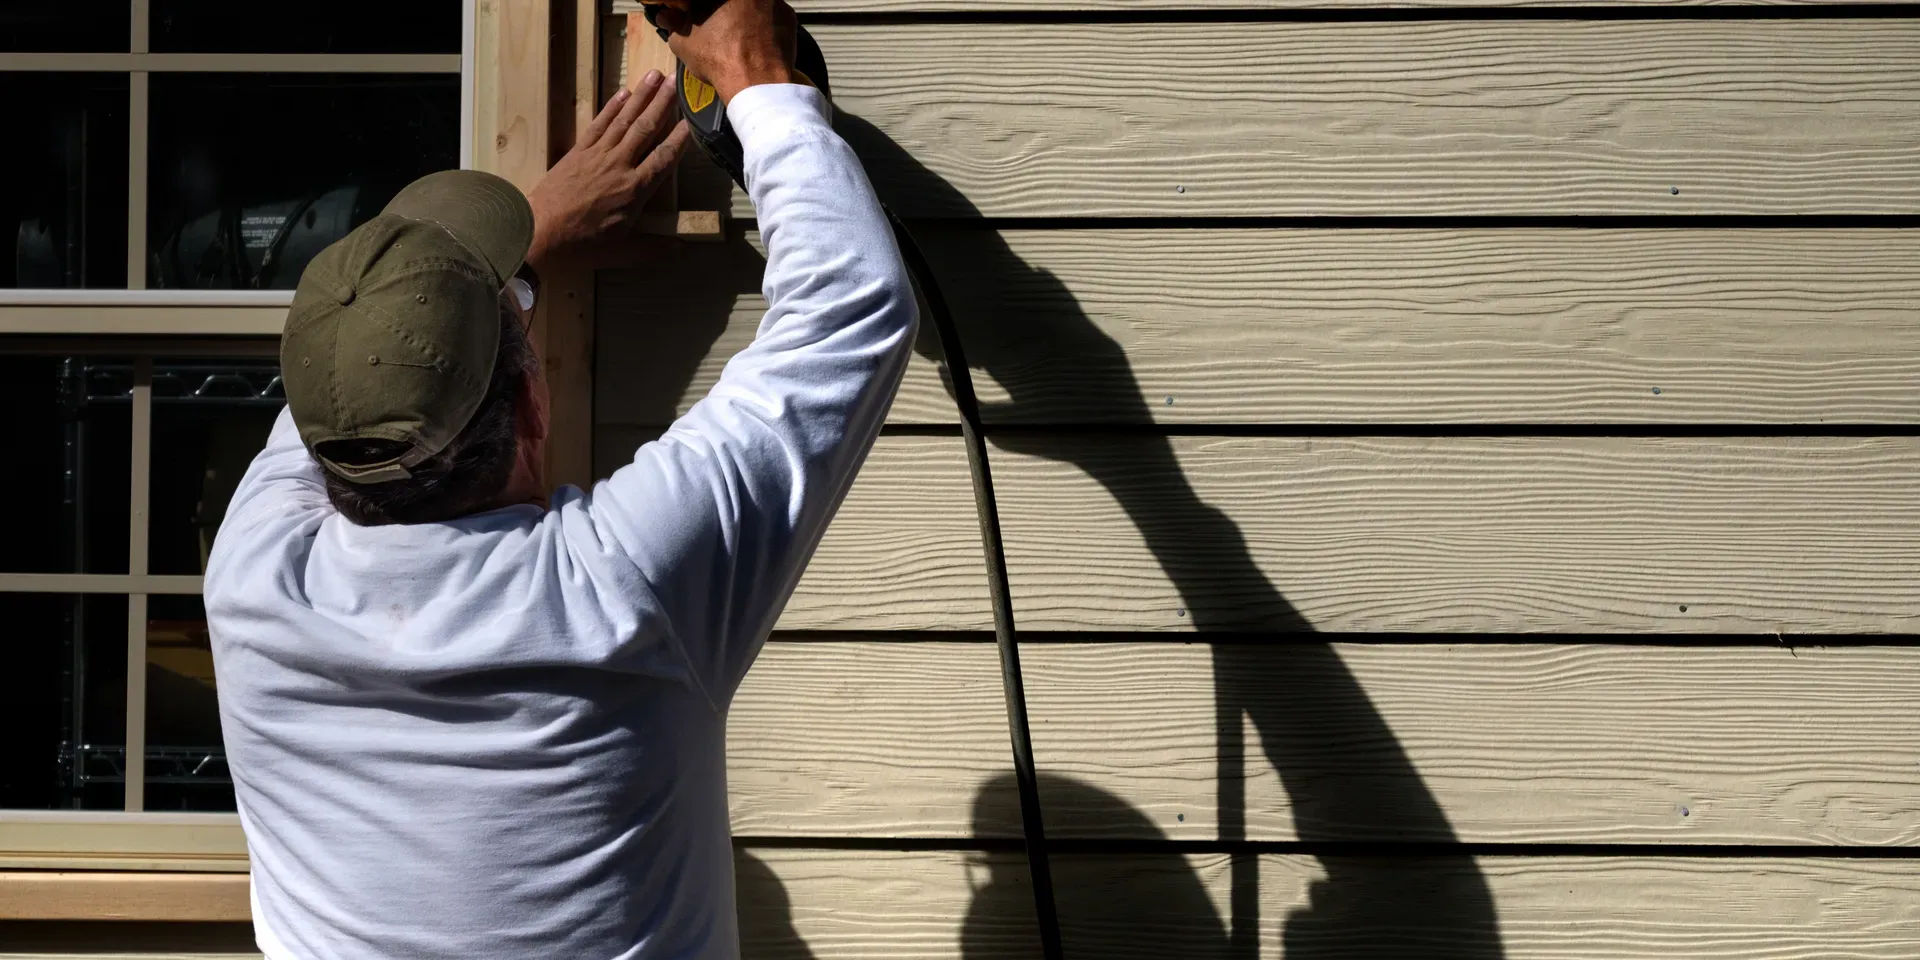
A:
592,197
741,43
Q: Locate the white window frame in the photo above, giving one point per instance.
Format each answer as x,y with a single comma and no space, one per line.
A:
145,324
134,310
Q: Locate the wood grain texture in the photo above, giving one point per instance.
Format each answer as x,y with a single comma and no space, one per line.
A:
799,904
45,895
1348,326
1466,118
120,940
903,553
1477,743
512,92
833,738
1713,535
667,329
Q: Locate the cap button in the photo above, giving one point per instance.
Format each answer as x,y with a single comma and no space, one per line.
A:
344,295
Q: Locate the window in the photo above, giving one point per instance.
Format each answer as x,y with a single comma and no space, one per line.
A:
173,166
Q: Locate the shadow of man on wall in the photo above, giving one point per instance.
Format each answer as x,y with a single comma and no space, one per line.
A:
1347,777
1353,791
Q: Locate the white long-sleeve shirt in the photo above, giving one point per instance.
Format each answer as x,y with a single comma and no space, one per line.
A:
504,736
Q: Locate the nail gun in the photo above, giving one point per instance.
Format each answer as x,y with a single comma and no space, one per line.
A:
702,108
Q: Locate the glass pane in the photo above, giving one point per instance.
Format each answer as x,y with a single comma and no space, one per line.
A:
70,424
251,175
36,26
337,26
210,417
186,764
63,180
63,697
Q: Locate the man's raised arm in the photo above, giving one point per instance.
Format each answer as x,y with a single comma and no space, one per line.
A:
722,513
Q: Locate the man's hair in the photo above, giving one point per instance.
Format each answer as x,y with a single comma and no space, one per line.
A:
464,478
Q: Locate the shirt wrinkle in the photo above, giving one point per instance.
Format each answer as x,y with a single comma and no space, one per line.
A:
503,736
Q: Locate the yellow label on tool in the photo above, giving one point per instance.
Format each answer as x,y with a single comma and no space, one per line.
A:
698,92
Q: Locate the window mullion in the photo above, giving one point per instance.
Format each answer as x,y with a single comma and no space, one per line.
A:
137,155
135,765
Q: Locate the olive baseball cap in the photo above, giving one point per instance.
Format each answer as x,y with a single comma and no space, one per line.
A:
394,328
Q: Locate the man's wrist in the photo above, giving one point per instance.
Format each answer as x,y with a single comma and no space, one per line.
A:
736,81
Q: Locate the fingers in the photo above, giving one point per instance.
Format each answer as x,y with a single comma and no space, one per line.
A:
604,119
652,125
630,110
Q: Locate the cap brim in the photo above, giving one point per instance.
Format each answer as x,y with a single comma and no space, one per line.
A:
483,211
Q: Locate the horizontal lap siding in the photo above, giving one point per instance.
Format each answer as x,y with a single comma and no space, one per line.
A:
1365,326
1456,542
1065,9
1484,743
1415,534
1154,906
1754,536
1454,118
1431,743
1457,118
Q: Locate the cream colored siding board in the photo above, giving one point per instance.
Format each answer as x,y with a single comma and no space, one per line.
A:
1459,534
1175,8
868,739
978,906
1365,326
884,904
1550,908
1487,743
1399,119
903,553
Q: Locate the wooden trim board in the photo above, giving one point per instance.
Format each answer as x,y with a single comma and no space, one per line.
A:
179,897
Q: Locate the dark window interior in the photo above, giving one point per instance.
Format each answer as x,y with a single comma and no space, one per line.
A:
251,175
64,692
40,26
70,423
63,700
209,420
338,26
63,215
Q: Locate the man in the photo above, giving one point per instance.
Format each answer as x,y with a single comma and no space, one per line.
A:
469,720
